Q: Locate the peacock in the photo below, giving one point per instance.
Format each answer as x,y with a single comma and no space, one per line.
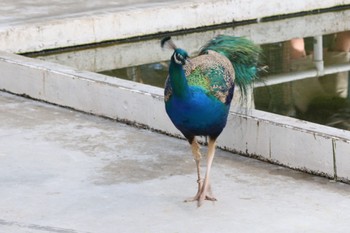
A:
198,93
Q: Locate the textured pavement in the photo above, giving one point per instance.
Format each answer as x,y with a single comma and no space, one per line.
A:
69,172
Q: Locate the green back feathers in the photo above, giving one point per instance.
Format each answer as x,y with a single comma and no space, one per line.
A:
197,78
213,74
207,79
243,55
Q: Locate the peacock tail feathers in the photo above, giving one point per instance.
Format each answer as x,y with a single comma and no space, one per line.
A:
243,55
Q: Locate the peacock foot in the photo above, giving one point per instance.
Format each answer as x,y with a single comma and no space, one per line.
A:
204,193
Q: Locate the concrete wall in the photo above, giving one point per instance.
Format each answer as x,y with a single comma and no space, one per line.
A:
282,140
122,55
37,33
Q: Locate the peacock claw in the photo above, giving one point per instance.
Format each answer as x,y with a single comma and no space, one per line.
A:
200,199
210,198
204,193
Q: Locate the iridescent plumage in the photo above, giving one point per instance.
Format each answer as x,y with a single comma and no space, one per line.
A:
198,92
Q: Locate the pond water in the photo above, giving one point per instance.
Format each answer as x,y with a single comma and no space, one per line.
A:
292,86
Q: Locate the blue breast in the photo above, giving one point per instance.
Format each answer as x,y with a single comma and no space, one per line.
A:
198,113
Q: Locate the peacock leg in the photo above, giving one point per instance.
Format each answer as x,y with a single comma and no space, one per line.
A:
206,189
197,157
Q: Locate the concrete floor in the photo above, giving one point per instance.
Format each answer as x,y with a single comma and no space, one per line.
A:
69,172
63,171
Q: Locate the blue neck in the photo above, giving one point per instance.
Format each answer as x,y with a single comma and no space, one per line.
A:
178,80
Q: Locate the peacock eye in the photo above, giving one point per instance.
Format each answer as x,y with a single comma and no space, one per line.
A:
178,58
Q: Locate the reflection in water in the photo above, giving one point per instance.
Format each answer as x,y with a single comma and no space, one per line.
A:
151,74
323,100
340,118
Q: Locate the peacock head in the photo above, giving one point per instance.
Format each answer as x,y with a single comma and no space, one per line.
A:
179,56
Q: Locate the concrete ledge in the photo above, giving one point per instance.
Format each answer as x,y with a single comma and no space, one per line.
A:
293,143
282,140
122,55
111,23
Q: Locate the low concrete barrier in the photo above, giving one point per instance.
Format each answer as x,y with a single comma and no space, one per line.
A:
282,140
